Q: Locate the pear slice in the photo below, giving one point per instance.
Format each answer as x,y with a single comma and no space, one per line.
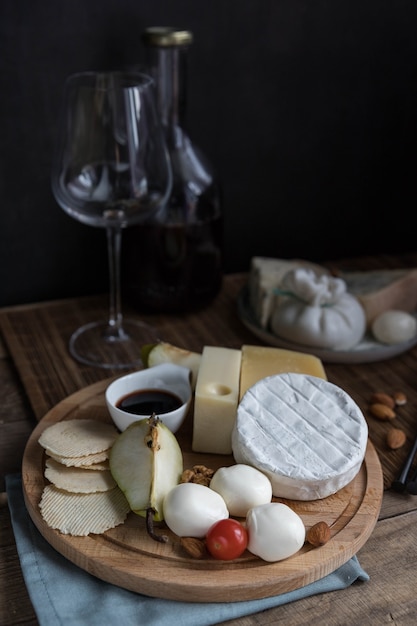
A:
163,352
146,462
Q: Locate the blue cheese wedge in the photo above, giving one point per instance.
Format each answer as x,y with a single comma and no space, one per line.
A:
383,290
305,433
265,276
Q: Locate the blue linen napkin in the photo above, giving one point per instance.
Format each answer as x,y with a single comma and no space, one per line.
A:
63,594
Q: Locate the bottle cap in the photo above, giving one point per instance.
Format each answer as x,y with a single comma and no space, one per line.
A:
165,36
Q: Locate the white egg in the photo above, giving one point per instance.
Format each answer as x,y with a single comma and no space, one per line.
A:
242,487
393,327
191,509
275,531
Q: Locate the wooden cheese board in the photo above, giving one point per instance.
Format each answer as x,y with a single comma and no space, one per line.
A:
127,557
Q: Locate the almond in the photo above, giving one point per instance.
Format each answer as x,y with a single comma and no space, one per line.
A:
194,547
319,534
396,438
400,398
382,411
380,397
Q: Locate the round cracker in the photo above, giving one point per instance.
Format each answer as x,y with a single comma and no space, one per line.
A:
81,514
76,479
76,438
101,466
80,461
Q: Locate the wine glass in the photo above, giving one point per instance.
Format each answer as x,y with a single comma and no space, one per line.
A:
112,170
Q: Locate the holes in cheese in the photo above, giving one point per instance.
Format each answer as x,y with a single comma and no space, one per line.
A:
216,399
215,389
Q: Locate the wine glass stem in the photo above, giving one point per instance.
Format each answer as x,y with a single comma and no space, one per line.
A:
115,323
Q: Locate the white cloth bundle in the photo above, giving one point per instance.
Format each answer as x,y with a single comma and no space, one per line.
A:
316,310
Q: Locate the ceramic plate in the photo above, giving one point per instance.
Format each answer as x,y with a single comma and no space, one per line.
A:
367,351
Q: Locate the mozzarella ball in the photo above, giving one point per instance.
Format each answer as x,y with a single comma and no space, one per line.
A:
393,327
242,487
275,531
191,509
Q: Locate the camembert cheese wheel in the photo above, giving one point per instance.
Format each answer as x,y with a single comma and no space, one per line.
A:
305,433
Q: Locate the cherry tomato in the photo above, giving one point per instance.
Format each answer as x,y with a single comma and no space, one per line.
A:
227,539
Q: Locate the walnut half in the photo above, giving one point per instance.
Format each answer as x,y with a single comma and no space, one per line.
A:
199,474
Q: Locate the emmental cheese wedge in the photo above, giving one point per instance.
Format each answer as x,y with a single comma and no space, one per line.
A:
216,399
261,361
306,434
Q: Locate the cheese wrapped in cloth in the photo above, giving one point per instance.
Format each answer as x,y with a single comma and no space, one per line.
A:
316,310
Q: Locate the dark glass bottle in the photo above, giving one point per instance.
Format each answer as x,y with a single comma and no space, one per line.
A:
173,262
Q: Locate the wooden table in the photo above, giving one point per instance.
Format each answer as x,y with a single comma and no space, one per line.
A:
36,372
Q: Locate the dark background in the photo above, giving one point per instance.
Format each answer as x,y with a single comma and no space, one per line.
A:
307,108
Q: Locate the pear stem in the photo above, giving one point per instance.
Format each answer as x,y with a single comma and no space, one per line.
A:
149,527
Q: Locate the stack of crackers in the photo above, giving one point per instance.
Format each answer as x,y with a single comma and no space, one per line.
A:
82,496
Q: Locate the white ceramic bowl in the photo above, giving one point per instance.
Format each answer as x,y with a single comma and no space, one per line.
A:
166,377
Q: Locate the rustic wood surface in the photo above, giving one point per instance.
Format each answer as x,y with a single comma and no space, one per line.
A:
36,373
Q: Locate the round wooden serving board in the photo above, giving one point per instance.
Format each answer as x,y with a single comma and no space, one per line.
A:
126,556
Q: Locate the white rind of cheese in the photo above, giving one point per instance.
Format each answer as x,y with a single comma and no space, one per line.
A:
305,433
